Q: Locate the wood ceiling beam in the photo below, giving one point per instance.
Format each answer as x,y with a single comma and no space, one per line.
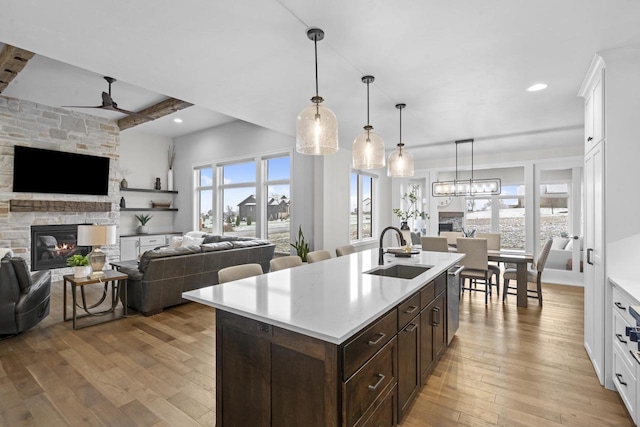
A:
161,109
12,61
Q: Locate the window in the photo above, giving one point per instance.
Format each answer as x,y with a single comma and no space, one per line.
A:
554,211
238,191
361,206
278,202
246,198
204,199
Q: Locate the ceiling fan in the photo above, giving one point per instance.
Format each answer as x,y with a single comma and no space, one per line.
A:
109,104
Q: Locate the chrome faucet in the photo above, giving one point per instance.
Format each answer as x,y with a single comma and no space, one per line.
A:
381,250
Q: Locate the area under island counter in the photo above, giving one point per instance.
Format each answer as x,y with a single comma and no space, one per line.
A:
327,344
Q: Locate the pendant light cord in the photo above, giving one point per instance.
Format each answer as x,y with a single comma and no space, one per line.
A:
367,102
315,46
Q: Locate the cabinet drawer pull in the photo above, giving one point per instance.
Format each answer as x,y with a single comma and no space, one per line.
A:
589,139
380,379
376,342
620,306
634,356
411,327
436,316
620,338
411,309
619,376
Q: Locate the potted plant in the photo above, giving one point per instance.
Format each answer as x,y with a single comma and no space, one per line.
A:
80,265
411,210
143,219
302,247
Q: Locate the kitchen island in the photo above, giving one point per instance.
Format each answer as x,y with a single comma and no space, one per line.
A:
327,343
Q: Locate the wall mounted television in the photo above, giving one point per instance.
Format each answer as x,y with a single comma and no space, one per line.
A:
36,170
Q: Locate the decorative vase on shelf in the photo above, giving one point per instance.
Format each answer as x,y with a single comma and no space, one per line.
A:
143,229
170,180
158,185
124,183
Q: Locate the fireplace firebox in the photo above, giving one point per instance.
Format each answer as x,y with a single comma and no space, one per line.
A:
51,245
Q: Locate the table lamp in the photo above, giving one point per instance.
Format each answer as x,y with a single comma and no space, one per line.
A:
96,236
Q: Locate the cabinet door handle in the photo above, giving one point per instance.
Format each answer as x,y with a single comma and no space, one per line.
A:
411,327
436,316
634,357
377,384
376,342
620,339
589,139
620,306
619,376
589,256
411,309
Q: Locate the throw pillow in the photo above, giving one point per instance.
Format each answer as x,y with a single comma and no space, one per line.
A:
22,273
191,241
211,238
175,242
195,234
559,242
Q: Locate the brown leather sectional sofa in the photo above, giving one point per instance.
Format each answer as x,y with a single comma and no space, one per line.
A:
163,274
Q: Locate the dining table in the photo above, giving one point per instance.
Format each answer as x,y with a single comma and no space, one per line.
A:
521,259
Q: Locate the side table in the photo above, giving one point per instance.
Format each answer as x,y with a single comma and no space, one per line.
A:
118,283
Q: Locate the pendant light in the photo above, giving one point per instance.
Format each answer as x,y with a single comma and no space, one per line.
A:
400,161
466,187
368,148
317,126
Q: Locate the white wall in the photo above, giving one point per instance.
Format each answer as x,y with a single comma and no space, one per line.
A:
144,157
622,107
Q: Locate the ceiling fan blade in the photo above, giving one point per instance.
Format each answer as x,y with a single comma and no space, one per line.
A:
82,106
131,113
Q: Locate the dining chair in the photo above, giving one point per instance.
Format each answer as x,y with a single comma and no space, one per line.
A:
435,244
476,265
493,244
319,255
345,250
284,262
533,276
451,236
237,272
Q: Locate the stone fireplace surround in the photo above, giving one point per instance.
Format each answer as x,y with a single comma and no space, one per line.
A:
30,124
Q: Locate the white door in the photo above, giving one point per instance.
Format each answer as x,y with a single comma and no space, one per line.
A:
594,301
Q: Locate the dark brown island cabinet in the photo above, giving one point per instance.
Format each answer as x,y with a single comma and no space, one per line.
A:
270,376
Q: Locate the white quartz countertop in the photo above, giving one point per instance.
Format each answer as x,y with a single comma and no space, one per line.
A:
330,300
630,285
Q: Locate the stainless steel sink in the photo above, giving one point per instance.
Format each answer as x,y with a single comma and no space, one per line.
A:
400,271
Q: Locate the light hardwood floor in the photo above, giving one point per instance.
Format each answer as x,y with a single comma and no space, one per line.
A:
506,366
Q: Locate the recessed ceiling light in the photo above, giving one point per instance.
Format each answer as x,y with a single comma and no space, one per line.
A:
177,120
536,87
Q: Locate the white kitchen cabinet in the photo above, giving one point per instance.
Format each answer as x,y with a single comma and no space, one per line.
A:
594,217
625,367
133,246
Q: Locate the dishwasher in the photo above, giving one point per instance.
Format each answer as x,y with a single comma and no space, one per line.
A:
453,301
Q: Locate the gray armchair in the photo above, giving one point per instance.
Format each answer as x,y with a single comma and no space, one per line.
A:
24,297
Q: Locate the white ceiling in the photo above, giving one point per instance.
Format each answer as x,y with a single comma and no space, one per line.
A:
461,67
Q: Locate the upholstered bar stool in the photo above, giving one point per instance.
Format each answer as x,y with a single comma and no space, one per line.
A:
285,262
237,272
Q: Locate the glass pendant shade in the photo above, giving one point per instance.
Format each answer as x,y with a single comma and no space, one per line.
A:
400,164
368,151
316,131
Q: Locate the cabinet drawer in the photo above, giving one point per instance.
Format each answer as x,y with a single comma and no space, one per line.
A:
427,294
408,310
366,385
368,342
385,413
152,241
625,382
621,340
621,304
441,284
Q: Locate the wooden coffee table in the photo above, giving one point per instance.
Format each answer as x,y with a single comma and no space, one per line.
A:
118,283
